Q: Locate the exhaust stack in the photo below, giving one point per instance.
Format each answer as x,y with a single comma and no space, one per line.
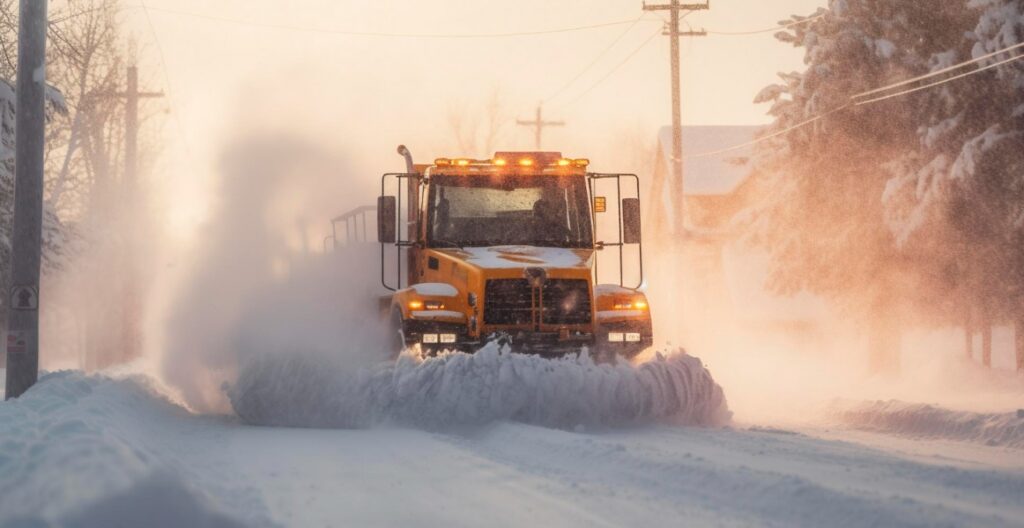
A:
404,152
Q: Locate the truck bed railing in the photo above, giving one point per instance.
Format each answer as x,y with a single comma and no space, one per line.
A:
355,228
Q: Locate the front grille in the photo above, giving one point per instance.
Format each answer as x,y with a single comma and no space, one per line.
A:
510,302
565,301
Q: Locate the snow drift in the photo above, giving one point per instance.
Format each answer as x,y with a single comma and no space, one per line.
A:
466,389
927,421
79,450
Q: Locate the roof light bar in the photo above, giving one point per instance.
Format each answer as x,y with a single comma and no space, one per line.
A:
502,162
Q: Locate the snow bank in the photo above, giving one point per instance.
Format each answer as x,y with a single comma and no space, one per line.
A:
927,421
491,385
83,451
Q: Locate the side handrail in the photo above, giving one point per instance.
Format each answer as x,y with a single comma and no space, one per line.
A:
619,244
400,242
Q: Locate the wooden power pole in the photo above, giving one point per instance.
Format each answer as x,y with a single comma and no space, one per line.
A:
672,31
132,305
539,124
27,239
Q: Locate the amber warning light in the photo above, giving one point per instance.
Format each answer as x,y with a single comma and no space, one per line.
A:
530,161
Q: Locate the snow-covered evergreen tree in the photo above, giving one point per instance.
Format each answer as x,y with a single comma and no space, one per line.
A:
823,216
959,197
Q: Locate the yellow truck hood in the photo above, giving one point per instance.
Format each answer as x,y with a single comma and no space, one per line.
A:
517,257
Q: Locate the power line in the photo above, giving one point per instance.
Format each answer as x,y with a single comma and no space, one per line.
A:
853,101
76,14
330,31
769,136
593,62
612,71
937,83
942,71
167,77
771,29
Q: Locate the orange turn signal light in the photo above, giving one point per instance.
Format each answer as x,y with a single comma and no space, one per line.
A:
637,304
442,162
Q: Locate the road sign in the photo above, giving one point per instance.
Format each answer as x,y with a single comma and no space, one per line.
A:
24,298
16,343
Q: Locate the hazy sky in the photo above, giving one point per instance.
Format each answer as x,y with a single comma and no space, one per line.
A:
363,95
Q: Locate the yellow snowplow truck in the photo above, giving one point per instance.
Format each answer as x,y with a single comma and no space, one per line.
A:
505,249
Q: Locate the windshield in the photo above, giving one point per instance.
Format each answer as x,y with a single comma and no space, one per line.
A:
541,210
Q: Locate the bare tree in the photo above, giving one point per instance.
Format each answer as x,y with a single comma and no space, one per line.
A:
88,62
84,163
478,128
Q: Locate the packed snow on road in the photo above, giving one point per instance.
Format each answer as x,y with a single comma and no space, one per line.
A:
86,450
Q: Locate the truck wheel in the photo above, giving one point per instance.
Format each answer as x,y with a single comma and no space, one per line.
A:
396,335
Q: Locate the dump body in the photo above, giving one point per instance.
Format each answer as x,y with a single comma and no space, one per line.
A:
505,248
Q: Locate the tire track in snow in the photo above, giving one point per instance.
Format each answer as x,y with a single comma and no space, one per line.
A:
698,473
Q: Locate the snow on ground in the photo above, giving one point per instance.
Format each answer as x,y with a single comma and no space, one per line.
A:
928,421
491,385
81,450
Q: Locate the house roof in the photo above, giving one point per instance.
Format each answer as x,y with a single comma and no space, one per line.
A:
718,174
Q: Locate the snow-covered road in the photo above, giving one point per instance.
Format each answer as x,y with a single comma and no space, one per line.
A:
75,449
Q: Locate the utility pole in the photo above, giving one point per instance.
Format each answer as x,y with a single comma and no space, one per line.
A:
29,137
673,32
130,333
538,123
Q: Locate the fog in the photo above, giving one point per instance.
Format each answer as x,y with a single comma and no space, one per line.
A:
369,94
273,130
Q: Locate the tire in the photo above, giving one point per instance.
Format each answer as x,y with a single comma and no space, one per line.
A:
396,335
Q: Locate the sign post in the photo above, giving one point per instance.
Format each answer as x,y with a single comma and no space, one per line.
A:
30,130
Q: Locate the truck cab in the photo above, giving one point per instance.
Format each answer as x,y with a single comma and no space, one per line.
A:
505,248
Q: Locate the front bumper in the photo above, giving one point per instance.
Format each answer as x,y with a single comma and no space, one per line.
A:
626,338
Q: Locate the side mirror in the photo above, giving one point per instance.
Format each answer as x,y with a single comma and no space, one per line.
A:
630,220
386,230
